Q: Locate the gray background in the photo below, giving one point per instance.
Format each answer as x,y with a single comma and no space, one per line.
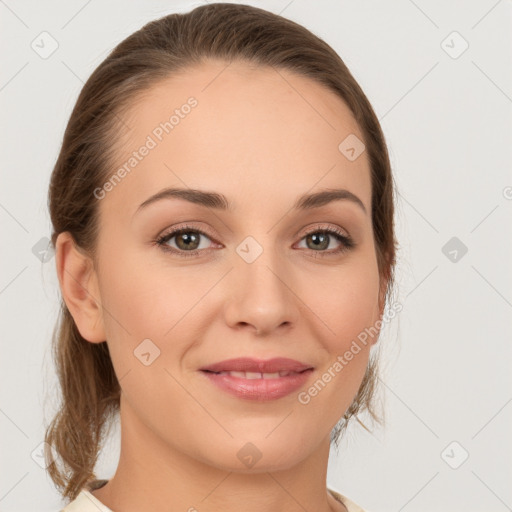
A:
447,119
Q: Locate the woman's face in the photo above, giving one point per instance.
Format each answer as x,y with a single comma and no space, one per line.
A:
258,279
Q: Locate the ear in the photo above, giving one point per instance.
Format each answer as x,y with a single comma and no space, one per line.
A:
382,294
382,303
79,287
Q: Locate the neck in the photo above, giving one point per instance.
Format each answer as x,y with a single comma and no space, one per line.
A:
152,475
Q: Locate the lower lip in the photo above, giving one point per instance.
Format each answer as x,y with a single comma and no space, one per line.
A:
259,389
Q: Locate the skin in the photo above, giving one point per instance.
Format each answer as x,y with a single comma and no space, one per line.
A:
262,143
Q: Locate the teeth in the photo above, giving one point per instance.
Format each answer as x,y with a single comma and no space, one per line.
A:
258,375
236,374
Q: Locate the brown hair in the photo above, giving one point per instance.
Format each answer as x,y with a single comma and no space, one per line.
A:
90,389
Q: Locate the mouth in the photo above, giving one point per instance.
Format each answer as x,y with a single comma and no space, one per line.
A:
258,375
259,386
253,379
252,368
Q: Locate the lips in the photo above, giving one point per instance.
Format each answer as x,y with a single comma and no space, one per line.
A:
256,379
258,368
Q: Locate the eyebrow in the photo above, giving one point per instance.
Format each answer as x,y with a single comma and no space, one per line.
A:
220,202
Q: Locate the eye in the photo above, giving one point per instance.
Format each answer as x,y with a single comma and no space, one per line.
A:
321,239
188,241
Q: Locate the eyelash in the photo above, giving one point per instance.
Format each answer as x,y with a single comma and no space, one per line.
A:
346,242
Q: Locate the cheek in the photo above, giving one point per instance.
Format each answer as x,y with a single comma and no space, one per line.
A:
347,302
349,307
140,295
136,306
145,299
143,306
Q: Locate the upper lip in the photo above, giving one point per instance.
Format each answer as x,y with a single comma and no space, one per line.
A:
247,364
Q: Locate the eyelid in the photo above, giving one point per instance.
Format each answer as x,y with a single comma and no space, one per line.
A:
322,226
312,228
186,227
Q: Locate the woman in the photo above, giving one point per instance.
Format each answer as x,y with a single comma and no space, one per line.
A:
222,209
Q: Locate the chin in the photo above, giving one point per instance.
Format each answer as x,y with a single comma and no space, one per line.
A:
257,454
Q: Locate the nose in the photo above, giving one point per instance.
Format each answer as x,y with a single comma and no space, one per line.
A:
261,296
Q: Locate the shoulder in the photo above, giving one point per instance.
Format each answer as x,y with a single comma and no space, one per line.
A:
349,504
86,501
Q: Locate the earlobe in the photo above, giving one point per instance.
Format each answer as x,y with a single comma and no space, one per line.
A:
79,288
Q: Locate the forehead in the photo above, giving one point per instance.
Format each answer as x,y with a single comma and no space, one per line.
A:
240,129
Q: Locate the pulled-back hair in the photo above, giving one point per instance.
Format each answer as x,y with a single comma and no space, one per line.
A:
90,391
